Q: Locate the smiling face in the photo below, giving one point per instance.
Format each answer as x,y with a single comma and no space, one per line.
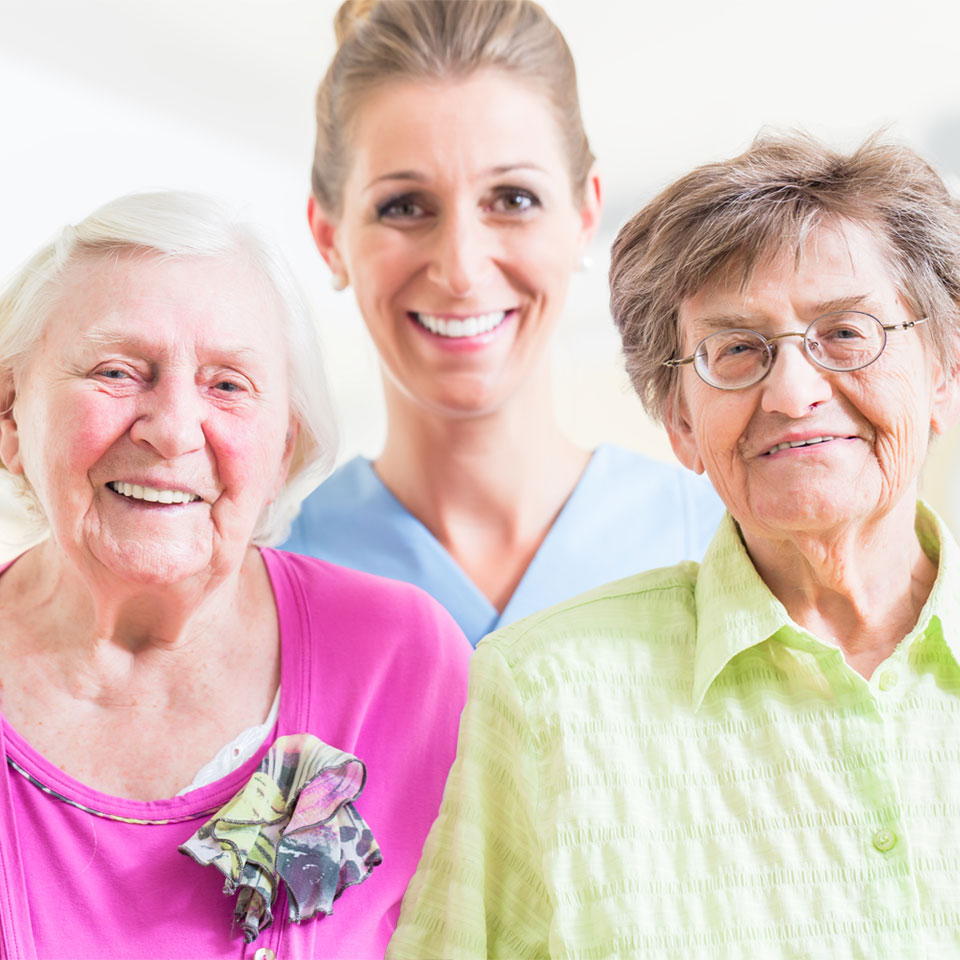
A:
862,435
152,420
459,232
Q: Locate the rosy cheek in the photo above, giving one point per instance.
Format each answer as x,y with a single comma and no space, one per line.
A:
90,424
244,451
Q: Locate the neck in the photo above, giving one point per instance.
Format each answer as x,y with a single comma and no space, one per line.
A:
131,688
487,486
861,586
104,631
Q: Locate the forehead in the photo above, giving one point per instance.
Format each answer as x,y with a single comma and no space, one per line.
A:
471,124
837,266
132,294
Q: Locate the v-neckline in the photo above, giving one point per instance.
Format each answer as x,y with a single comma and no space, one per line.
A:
527,581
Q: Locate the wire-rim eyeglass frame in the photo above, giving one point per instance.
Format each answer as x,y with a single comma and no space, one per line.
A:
700,356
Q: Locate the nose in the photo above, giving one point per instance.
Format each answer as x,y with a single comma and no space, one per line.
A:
170,419
459,255
795,384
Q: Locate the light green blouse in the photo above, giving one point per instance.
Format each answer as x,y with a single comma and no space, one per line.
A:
669,766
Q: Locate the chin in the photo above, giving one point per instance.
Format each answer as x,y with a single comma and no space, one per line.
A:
154,564
476,396
811,511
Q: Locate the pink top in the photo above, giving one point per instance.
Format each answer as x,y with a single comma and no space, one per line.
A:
370,666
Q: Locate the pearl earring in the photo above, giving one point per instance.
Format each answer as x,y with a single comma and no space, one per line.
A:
338,281
586,262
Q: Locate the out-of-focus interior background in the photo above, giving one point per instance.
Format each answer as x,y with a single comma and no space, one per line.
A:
102,97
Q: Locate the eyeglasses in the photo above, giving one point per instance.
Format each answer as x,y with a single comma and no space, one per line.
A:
844,341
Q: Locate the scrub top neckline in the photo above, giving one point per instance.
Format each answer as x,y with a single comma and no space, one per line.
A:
524,586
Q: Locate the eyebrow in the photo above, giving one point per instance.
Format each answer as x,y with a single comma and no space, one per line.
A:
144,347
416,176
724,321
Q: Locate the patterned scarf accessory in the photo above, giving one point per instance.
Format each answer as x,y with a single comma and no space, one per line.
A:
294,821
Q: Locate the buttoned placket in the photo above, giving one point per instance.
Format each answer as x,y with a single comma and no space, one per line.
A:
888,838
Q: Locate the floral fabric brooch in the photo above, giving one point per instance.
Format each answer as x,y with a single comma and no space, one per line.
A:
293,821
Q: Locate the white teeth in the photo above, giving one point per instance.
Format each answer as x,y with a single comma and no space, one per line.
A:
137,492
467,327
798,443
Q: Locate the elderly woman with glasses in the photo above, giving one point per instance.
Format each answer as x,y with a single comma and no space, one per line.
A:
756,755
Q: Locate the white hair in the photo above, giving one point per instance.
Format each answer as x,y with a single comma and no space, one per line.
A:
174,225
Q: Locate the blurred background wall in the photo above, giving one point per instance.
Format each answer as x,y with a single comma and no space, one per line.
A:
102,97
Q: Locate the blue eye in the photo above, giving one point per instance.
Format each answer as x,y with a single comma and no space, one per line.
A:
737,347
846,333
112,373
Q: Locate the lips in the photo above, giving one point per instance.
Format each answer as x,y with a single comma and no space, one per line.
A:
805,442
458,328
789,444
137,491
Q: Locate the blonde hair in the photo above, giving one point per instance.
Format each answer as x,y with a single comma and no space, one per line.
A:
389,40
724,219
179,225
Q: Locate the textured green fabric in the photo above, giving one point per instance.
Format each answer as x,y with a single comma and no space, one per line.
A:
670,767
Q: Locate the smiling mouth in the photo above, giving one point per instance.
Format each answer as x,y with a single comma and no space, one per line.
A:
456,328
135,491
788,444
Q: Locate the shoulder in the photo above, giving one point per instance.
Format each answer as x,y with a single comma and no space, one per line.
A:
365,607
351,485
619,625
631,475
620,463
352,519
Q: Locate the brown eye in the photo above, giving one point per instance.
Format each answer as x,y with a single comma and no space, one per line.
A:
406,207
513,200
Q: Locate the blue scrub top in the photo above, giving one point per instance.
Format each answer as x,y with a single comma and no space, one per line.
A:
628,513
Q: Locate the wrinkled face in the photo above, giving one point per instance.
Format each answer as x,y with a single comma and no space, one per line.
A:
864,433
152,420
458,233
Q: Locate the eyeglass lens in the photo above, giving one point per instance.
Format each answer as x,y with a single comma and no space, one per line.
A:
836,341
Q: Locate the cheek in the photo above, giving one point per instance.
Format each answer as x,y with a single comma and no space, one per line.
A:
897,406
65,439
719,426
248,455
540,261
720,422
379,269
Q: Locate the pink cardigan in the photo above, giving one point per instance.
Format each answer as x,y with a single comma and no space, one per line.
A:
370,666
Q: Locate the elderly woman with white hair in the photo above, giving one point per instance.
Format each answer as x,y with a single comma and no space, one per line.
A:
183,712
759,755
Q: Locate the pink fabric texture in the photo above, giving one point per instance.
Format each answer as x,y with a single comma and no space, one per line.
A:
370,666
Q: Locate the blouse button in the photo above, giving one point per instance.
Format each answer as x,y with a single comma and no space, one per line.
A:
888,679
884,840
264,953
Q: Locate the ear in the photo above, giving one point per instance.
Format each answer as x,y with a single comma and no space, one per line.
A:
9,434
591,208
324,232
680,432
945,409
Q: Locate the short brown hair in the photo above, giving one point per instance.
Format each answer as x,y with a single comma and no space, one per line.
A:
384,40
724,219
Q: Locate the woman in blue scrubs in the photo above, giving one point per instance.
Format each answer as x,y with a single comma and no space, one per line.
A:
455,191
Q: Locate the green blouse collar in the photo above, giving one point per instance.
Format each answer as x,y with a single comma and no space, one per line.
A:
736,610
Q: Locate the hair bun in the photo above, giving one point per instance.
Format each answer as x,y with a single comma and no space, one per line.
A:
351,12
